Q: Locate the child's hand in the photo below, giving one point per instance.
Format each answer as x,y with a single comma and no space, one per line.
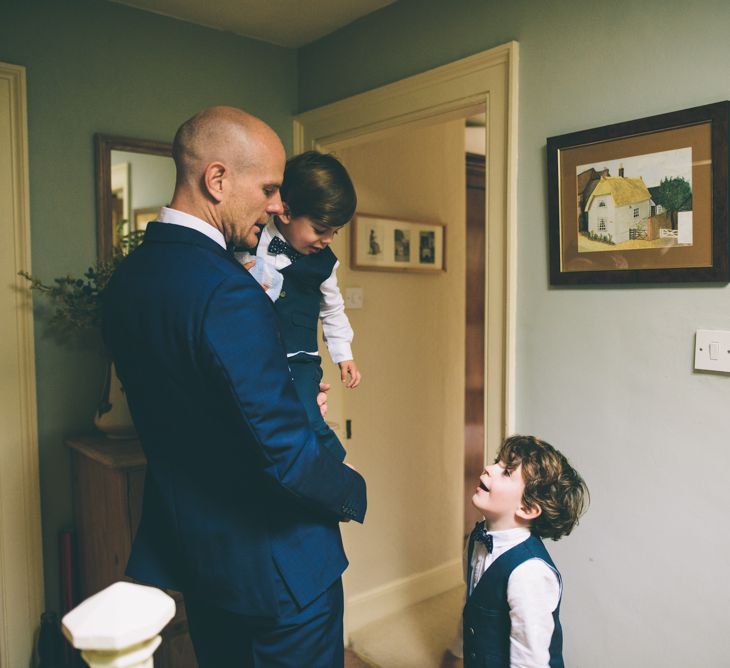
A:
349,368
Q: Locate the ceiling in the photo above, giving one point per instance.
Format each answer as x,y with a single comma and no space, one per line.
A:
290,23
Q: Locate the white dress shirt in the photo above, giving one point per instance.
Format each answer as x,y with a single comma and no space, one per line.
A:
533,593
335,324
168,215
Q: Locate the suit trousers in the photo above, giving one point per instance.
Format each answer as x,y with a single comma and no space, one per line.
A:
306,372
309,637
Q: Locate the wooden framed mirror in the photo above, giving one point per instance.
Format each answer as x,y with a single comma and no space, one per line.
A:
134,178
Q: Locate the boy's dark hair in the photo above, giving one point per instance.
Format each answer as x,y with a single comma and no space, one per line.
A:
550,483
318,186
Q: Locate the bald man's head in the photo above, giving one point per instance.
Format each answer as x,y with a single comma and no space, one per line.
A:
229,169
223,134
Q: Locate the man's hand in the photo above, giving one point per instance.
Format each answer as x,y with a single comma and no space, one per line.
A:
322,398
349,368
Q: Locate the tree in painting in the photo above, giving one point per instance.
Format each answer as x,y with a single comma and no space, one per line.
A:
674,194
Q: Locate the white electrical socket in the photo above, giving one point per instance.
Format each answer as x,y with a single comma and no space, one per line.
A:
354,298
712,350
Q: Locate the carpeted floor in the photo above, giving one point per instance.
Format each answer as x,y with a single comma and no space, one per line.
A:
416,638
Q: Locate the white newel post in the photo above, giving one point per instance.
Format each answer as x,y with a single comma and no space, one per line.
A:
119,627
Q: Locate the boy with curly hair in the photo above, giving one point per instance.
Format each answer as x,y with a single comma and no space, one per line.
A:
511,615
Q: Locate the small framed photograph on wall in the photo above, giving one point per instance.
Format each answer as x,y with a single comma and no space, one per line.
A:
644,201
391,244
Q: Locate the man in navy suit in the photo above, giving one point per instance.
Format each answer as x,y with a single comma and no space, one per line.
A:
242,505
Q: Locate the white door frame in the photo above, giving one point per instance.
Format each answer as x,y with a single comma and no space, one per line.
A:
487,80
21,560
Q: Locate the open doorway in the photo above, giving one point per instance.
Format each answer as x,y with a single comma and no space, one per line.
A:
406,418
419,341
395,561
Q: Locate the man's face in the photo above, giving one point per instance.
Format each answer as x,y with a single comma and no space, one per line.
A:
253,197
499,496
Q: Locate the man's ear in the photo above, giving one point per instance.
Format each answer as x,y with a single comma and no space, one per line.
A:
529,513
214,179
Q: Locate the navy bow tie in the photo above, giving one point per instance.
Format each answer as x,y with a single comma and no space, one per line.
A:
278,245
482,536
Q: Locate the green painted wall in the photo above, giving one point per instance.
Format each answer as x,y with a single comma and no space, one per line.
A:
96,66
604,373
402,39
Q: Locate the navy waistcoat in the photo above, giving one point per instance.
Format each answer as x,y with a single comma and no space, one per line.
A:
298,304
486,613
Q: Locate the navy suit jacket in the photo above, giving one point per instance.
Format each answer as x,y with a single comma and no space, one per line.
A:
239,495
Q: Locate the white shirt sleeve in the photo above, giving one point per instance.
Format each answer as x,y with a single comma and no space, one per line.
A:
335,325
533,593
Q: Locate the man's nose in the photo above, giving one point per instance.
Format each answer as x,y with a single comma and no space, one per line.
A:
275,205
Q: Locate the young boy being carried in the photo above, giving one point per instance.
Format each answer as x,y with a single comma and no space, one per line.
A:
511,615
295,265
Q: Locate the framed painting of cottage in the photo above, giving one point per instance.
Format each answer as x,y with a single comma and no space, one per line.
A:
644,201
390,244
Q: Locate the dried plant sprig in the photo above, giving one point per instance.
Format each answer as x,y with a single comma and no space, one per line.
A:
77,302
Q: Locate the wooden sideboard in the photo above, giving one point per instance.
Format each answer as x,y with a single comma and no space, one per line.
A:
108,483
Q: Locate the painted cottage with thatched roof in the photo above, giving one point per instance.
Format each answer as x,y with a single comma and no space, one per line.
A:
619,207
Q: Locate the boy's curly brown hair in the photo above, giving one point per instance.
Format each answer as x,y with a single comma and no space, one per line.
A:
550,483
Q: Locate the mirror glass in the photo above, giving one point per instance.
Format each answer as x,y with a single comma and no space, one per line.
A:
134,179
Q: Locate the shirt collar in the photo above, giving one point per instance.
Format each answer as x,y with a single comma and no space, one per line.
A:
176,217
508,537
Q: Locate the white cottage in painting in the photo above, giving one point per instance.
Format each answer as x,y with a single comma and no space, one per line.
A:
617,206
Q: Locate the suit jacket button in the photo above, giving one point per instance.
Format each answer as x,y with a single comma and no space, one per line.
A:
471,631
